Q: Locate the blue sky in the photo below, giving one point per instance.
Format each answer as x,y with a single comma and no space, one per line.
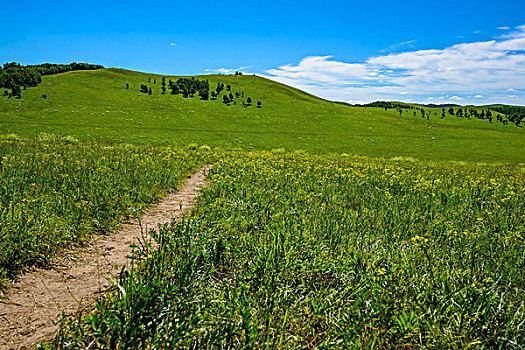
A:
416,51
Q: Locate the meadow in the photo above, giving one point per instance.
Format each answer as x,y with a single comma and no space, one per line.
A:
95,105
55,193
320,252
322,226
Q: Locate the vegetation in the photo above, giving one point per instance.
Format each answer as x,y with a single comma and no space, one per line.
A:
55,193
284,250
95,104
387,105
298,251
15,76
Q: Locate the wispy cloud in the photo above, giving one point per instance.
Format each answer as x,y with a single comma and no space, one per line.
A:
173,44
399,46
227,70
503,28
484,68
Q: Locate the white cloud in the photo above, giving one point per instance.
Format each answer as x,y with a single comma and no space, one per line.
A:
456,98
478,96
503,28
173,44
227,70
484,68
511,90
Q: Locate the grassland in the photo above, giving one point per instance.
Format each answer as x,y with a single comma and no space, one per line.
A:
55,194
96,105
412,246
299,251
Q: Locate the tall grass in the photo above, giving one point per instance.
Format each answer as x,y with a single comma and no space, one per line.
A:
55,192
318,252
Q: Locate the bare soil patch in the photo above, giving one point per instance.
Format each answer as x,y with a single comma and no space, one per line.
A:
34,302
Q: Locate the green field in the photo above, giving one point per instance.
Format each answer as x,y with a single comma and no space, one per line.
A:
96,105
300,251
55,194
323,226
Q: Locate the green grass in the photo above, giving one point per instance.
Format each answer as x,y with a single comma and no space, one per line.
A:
397,250
95,105
55,194
313,252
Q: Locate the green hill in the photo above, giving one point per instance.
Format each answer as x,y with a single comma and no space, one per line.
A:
95,104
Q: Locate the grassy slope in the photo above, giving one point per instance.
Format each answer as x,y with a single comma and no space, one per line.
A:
96,105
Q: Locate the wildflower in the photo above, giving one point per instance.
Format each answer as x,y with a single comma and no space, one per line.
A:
417,238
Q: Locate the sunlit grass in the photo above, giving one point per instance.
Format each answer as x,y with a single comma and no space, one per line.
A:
56,192
299,251
96,105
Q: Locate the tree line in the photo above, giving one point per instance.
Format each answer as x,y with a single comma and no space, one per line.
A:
191,87
514,114
17,77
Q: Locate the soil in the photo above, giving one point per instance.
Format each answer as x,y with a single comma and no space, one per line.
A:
29,314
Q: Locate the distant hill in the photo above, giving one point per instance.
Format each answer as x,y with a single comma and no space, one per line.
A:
118,105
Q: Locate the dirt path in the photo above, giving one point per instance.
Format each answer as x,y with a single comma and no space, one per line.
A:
34,302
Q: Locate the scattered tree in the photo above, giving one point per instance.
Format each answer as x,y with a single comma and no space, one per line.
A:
258,104
204,94
16,91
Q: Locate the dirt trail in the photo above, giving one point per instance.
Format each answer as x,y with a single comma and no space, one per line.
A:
34,302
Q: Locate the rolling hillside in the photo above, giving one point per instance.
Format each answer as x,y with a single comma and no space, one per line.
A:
97,105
